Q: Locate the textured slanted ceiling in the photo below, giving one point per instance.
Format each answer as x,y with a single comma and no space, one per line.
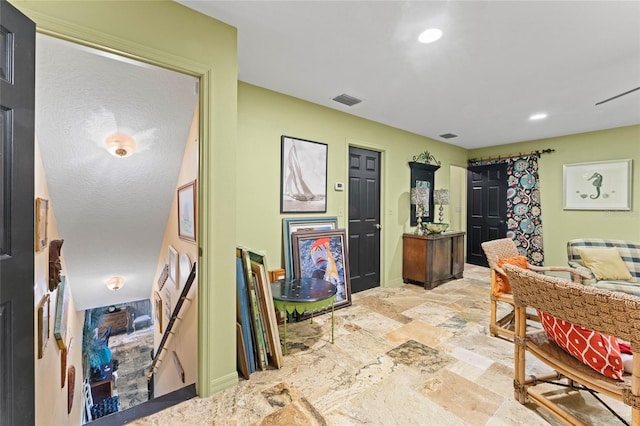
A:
111,212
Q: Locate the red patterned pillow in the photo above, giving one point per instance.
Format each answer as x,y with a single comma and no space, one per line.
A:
599,351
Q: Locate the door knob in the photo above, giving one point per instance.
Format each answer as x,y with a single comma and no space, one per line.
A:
378,226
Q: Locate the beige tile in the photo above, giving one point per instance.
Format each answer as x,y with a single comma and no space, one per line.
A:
299,412
463,398
396,400
423,333
377,324
386,308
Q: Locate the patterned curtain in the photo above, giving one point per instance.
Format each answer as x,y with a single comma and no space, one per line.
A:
524,215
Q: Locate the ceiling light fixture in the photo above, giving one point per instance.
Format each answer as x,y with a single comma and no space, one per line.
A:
430,35
115,283
538,116
120,144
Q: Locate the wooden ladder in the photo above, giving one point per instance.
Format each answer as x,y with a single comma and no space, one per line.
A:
168,332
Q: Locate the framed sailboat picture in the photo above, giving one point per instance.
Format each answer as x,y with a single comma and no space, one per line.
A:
303,176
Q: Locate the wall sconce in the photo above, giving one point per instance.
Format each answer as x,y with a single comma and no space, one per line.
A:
419,198
441,196
115,283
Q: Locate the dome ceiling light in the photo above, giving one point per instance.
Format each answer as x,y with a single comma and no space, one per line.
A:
120,145
115,283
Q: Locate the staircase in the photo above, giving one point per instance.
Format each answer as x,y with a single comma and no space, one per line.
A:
158,357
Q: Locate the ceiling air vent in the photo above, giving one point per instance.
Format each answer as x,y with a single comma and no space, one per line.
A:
448,136
347,100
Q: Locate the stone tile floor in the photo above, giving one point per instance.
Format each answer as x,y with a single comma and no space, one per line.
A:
402,356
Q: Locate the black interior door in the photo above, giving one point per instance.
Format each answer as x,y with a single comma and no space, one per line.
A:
17,86
486,208
364,219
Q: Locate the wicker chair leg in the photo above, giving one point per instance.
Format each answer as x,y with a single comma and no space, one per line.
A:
492,319
519,352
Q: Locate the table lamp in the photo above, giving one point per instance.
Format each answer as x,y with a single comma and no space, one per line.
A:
419,198
441,196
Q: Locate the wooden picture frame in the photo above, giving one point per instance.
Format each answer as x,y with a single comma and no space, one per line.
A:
187,211
164,275
291,225
262,284
62,313
323,254
166,305
44,314
600,185
157,305
172,260
423,176
42,222
303,176
258,329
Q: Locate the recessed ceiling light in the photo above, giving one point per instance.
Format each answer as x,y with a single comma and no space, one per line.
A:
430,35
538,116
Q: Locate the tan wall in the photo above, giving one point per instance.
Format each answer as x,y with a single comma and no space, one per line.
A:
50,396
562,225
184,342
263,116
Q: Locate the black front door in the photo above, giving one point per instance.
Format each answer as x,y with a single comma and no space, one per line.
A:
364,219
486,208
17,85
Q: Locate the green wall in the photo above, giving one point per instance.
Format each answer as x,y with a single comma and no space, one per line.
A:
247,163
562,225
170,35
263,116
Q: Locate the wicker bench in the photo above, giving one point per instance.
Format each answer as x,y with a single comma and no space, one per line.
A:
613,313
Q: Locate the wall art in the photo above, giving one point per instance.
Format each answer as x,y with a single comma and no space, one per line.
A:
62,308
324,255
172,255
303,176
42,216
44,313
602,185
291,225
157,307
187,212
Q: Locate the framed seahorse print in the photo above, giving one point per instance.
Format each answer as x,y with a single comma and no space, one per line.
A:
601,185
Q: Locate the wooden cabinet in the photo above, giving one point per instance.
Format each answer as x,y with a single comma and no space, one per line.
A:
432,259
102,388
119,321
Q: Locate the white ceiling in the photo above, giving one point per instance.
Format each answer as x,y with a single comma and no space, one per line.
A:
111,212
497,63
